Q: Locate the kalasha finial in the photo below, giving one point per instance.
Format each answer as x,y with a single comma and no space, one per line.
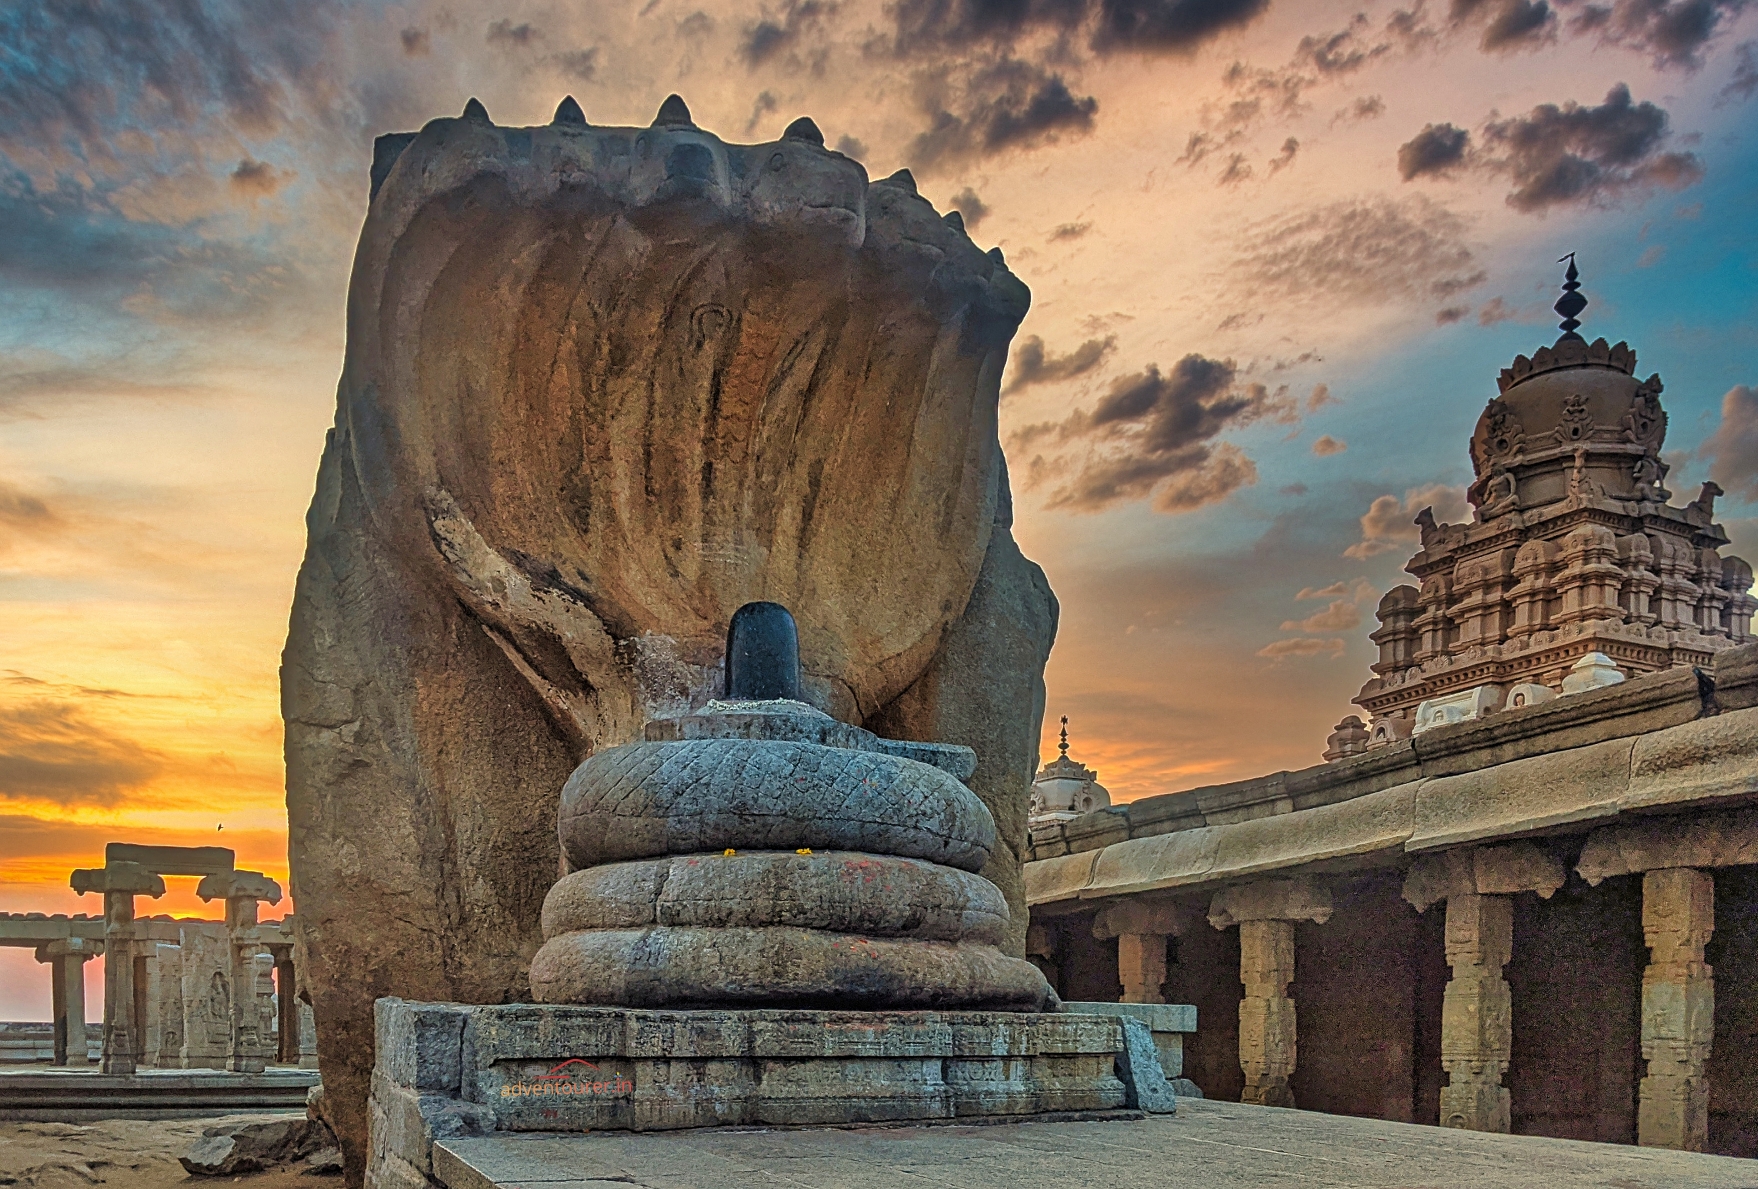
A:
1571,302
1063,746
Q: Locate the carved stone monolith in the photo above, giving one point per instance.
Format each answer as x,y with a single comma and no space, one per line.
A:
603,387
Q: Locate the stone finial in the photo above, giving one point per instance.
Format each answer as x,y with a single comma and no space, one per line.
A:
953,220
1348,738
903,179
674,113
568,112
237,885
1571,302
804,129
475,111
1593,671
1063,745
762,654
997,257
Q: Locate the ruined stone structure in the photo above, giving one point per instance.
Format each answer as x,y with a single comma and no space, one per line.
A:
1574,549
1523,900
604,386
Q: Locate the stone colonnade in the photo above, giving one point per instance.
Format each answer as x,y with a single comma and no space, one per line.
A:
1478,886
66,960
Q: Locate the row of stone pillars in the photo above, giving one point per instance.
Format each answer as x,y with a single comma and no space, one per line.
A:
119,882
1477,886
66,960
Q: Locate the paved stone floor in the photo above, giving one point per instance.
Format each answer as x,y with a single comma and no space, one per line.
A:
1207,1144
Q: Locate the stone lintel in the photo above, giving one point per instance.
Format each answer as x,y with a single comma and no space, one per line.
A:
1736,677
1297,899
1483,870
1142,916
172,860
1724,838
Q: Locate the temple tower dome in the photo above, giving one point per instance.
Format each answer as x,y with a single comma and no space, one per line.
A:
1065,788
1575,560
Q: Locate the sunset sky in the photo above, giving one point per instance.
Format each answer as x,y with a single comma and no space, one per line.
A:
1278,253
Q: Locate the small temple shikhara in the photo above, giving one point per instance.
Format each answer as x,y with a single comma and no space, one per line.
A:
1576,570
1064,788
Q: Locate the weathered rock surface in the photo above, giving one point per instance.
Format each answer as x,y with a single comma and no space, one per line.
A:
646,799
842,891
779,967
250,1145
602,387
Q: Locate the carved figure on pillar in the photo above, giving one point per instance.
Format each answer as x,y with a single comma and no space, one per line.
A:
1678,1008
241,890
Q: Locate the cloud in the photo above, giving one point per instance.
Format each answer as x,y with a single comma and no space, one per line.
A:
1033,364
1008,105
1340,615
1161,27
417,43
765,103
1390,523
1357,590
1366,107
770,38
1358,252
1286,157
1326,446
1450,314
1571,154
849,146
1438,149
1673,32
1652,255
258,179
1070,231
1733,448
1743,83
970,207
1494,310
1280,649
1153,434
51,751
1168,26
20,511
508,35
1513,24
580,65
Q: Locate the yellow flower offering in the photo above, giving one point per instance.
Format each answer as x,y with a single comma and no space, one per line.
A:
804,850
730,851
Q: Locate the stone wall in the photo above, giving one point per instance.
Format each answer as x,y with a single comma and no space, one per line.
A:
1733,1074
1203,971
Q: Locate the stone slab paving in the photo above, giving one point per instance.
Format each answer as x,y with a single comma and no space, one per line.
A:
49,1094
1206,1144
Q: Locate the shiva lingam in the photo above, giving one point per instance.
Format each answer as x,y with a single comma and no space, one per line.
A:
761,853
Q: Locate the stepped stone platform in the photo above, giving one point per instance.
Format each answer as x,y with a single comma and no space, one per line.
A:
60,1095
445,1071
1215,1145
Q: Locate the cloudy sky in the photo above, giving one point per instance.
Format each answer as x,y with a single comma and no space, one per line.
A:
1277,251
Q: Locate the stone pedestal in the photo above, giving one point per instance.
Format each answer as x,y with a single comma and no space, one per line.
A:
1678,1008
444,1070
1267,1042
1477,1013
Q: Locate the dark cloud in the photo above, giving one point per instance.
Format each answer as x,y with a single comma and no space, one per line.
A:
257,179
772,37
696,26
1557,155
1153,435
20,511
765,103
1450,315
1360,252
1236,172
51,751
1672,32
1733,448
1168,26
1285,158
417,43
850,146
1034,364
1011,104
504,33
1067,231
1493,311
1508,25
929,27
1367,107
1437,149
580,65
970,207
1339,53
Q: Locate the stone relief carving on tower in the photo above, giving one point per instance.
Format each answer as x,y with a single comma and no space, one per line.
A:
1574,556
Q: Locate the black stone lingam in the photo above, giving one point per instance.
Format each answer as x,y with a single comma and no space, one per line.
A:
762,654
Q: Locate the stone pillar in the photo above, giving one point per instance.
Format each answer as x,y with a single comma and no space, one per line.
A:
1678,1008
120,883
1477,1012
241,890
1266,914
66,961
1141,966
287,1006
1267,1040
207,996
307,1036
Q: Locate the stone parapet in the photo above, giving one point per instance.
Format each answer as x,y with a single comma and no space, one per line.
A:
448,1070
1708,762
